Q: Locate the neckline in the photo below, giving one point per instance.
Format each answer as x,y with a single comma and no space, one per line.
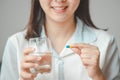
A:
71,40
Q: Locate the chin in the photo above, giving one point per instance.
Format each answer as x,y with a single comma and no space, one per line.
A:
59,19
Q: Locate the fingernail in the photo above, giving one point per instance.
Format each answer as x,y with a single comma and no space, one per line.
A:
36,65
39,58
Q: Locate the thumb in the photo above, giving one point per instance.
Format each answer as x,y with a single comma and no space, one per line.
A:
76,50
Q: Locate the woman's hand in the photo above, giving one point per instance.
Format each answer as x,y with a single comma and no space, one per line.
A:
90,57
27,63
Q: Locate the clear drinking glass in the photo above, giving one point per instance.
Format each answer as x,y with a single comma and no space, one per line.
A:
43,49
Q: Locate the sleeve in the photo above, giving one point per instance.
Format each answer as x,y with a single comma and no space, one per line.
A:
111,68
9,69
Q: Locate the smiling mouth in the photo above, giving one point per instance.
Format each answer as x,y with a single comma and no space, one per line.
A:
59,8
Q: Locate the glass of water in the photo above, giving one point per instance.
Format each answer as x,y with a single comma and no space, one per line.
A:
43,49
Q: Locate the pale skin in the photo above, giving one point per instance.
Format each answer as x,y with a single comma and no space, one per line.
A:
60,21
89,55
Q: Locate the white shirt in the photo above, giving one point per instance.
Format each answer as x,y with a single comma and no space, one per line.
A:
73,67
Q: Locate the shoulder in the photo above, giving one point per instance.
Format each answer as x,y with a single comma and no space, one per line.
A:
19,35
18,42
104,39
17,39
103,35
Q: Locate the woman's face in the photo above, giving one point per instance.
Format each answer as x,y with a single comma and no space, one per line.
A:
59,10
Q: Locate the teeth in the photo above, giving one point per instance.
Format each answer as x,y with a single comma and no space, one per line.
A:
59,8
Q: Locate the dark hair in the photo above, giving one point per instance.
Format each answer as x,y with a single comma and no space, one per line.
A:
37,17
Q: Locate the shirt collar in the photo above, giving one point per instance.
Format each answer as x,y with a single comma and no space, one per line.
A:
82,34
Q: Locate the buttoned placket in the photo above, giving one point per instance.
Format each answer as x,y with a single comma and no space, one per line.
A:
80,35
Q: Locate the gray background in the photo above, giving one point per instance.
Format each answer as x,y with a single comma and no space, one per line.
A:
14,15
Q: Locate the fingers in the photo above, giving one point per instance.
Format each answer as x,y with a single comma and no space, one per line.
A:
28,63
30,58
76,50
26,66
28,51
27,76
31,61
84,48
82,45
25,71
89,54
90,62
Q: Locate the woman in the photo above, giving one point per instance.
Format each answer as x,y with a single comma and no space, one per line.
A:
64,22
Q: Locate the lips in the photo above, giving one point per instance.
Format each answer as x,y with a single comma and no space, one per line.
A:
59,8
